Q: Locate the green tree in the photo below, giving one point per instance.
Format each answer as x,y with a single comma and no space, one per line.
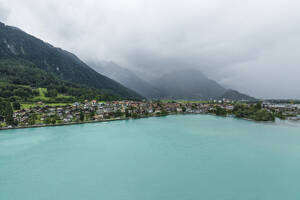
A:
47,120
220,111
6,112
21,92
118,113
16,105
52,93
127,114
135,115
81,116
164,113
32,119
258,106
93,113
6,94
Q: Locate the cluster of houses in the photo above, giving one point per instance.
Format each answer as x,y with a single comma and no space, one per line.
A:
282,107
100,111
285,108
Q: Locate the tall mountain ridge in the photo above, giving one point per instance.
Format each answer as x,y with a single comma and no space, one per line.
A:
181,84
125,77
188,83
235,95
15,44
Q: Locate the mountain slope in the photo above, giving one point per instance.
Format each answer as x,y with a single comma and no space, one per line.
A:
236,96
187,84
16,44
184,84
20,80
125,77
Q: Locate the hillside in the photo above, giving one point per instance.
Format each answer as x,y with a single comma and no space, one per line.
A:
124,76
16,45
187,84
21,81
235,95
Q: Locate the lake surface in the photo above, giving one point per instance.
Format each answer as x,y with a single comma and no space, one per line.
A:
184,157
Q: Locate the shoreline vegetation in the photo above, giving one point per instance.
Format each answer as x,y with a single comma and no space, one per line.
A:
89,122
33,115
104,120
121,119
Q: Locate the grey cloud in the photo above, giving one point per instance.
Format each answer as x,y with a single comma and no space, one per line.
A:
4,12
251,46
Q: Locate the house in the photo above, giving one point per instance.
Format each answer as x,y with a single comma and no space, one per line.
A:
66,120
98,117
229,107
179,109
76,104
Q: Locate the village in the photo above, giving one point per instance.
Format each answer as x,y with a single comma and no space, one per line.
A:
93,111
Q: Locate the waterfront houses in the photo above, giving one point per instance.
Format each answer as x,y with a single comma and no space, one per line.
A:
90,111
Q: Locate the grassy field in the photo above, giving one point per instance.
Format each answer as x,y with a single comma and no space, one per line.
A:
183,101
32,105
42,91
42,96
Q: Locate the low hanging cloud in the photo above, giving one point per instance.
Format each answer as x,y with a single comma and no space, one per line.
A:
251,46
4,12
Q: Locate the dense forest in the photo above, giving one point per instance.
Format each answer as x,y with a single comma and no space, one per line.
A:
252,111
21,81
6,112
26,60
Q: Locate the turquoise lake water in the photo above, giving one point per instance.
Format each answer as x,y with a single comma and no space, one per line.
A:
184,157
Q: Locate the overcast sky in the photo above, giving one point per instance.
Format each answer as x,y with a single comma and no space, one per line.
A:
249,45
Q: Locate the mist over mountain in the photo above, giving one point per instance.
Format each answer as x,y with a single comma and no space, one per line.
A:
16,45
181,84
125,77
235,95
192,84
188,83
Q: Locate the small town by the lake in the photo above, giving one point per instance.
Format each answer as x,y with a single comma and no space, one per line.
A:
43,114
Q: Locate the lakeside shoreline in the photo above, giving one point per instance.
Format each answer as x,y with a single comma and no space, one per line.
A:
93,112
110,120
65,124
87,122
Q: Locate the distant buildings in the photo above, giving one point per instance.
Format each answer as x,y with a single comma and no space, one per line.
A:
88,111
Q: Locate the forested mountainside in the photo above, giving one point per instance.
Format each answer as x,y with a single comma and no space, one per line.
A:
21,81
22,50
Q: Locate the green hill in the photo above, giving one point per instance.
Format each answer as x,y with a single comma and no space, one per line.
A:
23,81
236,96
189,84
39,64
